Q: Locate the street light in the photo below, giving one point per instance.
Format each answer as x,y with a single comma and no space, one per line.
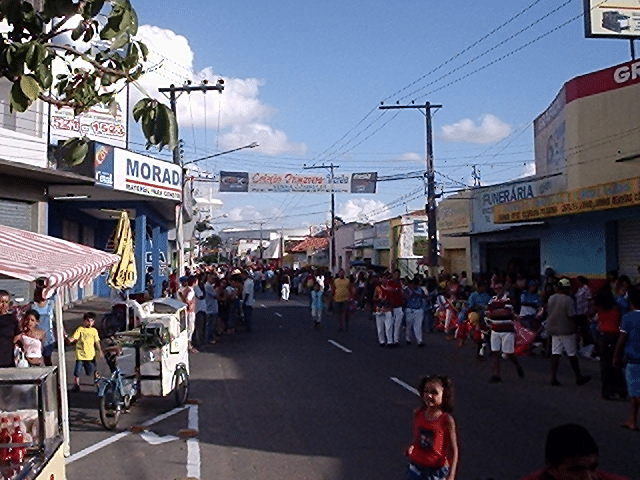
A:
251,145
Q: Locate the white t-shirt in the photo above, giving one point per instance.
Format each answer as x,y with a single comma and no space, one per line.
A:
247,289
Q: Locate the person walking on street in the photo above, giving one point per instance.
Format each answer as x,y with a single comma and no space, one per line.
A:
433,453
87,343
629,346
317,304
608,318
211,300
188,296
499,316
248,300
414,312
342,294
396,302
382,313
562,329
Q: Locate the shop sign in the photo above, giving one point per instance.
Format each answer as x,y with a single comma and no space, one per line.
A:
136,173
589,199
485,200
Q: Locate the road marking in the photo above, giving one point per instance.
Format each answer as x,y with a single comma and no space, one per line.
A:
153,438
279,315
405,385
343,348
263,305
114,438
193,446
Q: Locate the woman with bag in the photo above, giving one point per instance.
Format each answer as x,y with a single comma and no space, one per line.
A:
30,338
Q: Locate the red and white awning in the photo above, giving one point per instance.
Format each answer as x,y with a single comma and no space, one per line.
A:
28,256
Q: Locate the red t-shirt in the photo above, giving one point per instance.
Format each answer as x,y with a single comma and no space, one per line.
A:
609,320
430,444
395,297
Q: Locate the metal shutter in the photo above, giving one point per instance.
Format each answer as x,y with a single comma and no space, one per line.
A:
16,215
629,247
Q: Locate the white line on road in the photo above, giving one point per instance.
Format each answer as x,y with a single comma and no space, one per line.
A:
343,348
114,438
193,446
405,385
263,305
279,315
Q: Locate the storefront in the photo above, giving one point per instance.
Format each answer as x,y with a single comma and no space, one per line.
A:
150,190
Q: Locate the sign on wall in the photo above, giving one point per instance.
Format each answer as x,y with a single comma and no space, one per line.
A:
549,131
589,199
612,18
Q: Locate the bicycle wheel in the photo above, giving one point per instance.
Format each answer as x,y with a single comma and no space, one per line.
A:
181,385
110,407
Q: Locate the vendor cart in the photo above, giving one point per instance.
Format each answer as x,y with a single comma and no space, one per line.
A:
161,345
30,425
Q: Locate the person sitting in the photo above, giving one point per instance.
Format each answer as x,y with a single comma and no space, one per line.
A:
571,453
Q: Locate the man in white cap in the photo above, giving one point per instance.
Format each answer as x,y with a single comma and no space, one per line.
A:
561,326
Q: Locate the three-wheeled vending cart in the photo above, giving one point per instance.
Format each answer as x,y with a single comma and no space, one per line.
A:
163,355
31,441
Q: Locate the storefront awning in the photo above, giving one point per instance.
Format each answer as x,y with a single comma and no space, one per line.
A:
28,256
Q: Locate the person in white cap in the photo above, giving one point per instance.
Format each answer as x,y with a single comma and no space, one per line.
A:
562,329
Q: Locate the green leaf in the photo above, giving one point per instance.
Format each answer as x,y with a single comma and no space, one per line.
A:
119,41
77,32
44,76
75,150
140,107
19,101
92,8
30,87
59,8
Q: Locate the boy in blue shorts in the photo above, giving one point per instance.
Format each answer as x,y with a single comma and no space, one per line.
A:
629,346
87,343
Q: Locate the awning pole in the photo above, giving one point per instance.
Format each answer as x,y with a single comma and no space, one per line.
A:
62,376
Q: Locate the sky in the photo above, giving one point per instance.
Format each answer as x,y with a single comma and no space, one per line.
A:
305,80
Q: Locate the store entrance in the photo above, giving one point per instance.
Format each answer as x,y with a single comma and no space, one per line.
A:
513,257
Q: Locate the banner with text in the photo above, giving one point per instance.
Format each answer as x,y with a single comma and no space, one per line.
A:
297,183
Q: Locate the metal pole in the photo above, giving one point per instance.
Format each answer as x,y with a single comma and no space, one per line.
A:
633,49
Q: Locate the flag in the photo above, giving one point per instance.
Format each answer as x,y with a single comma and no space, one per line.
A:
123,274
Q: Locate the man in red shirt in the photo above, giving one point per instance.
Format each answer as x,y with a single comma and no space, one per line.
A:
396,302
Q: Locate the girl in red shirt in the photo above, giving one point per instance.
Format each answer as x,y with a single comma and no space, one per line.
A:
433,453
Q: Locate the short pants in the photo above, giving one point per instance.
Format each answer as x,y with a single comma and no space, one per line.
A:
632,374
567,343
416,472
504,342
89,366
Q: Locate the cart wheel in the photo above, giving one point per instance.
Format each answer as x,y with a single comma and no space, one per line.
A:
110,407
181,385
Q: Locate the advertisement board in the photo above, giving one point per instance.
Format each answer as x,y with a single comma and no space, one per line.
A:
612,18
549,131
290,182
619,194
100,123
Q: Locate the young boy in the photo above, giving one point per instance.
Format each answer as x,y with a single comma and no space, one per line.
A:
87,343
629,346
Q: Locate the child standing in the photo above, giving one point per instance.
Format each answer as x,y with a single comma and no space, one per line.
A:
433,453
87,343
316,304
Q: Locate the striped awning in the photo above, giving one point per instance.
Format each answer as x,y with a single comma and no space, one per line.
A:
28,256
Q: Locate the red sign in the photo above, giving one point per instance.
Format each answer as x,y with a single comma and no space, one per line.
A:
605,80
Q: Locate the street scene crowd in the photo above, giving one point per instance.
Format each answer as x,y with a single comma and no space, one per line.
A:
503,315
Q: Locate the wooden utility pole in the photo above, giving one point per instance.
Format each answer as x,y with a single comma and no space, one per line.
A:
430,206
331,166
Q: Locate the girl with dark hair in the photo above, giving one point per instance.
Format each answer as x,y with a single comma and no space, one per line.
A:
608,318
433,453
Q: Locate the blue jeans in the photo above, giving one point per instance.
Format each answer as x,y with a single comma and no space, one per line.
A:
416,472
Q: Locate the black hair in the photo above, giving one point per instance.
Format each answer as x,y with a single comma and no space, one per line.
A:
89,316
634,297
447,389
569,440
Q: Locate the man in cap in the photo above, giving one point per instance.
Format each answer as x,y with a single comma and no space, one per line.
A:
561,326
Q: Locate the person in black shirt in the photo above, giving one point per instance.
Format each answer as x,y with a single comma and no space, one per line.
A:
9,328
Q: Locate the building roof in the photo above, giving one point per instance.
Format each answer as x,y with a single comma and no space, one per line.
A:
311,243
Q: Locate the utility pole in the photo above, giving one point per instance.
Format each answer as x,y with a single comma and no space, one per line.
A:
475,173
331,166
172,90
430,207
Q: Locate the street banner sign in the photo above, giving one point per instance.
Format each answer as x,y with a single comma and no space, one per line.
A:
290,182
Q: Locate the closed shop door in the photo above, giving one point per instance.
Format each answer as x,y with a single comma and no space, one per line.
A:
16,215
628,247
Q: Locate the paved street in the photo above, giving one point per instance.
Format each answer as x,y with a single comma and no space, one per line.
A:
290,402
